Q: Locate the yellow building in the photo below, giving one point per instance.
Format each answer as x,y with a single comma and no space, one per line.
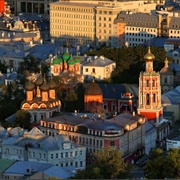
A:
90,22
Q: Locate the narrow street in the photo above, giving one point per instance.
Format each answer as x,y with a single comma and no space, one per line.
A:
137,172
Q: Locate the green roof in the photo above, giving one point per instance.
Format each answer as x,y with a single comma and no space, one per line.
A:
65,56
5,163
77,59
56,60
71,61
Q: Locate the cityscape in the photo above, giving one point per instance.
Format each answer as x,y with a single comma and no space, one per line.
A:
89,89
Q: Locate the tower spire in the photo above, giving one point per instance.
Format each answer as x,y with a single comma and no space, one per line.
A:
66,46
166,62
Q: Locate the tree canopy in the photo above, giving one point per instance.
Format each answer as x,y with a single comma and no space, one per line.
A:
108,164
23,119
129,61
161,165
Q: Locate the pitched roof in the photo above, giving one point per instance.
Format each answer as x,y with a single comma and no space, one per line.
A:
21,167
35,132
112,91
58,172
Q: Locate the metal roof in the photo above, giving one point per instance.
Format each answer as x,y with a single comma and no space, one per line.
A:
22,167
58,172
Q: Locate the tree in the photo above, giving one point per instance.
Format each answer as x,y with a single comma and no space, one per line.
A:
108,164
23,118
173,157
71,101
162,166
129,61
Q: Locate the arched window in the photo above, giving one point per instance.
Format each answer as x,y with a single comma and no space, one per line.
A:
147,99
154,98
113,106
105,105
147,83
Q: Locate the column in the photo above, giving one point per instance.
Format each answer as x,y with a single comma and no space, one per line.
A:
157,118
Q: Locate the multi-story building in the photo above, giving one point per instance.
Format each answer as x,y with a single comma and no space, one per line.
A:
90,22
133,29
31,6
99,68
34,146
125,131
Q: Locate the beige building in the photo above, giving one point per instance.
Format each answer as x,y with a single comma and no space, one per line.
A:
90,22
125,132
99,68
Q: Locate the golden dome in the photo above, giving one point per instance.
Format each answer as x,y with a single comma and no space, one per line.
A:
149,56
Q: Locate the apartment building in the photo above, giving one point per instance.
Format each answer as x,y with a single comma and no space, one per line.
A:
90,22
34,146
133,29
125,132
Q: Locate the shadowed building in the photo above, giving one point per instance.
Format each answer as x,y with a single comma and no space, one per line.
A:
93,98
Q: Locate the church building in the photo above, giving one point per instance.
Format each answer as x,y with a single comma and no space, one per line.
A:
150,91
65,62
41,99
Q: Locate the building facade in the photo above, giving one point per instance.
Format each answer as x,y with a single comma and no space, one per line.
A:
93,98
133,29
34,146
90,22
173,143
99,68
125,132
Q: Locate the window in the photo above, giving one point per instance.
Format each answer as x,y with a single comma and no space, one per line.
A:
147,99
86,70
61,155
154,98
112,143
66,154
51,156
81,164
56,155
93,70
147,83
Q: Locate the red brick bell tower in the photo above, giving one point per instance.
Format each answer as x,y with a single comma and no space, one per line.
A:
150,91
